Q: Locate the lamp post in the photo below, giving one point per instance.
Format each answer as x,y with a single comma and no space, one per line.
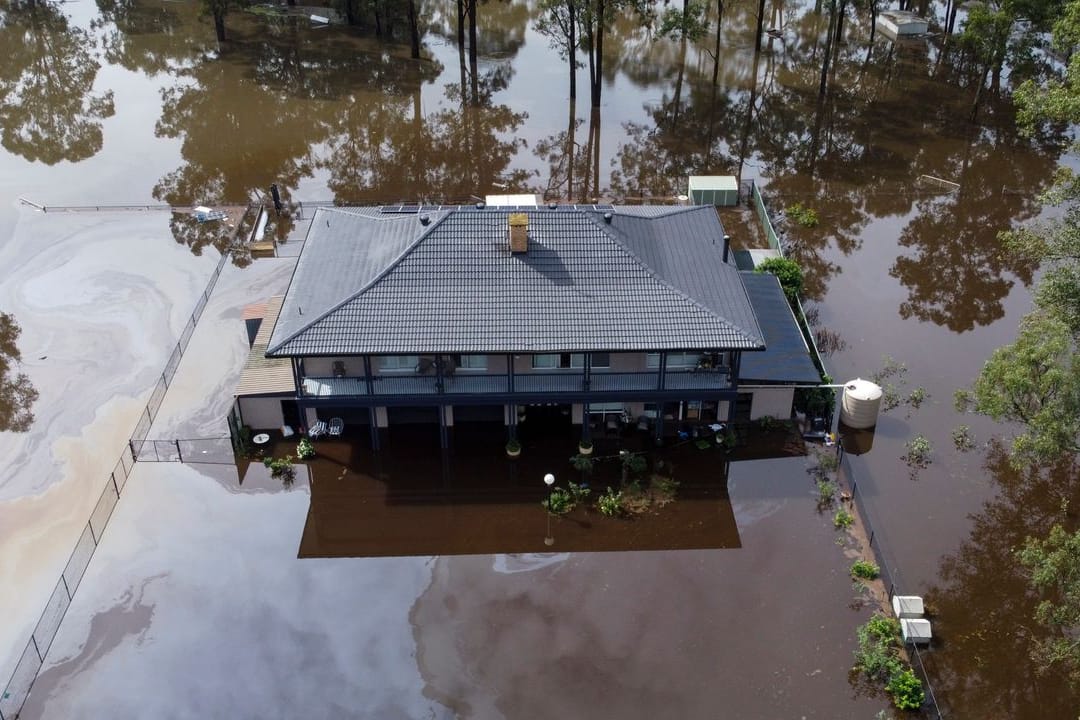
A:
549,480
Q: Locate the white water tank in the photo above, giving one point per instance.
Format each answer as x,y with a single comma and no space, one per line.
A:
860,404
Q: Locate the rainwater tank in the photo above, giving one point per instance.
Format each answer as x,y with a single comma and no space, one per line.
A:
860,404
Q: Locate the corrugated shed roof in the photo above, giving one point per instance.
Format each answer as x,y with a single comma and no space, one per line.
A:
786,358
453,286
263,375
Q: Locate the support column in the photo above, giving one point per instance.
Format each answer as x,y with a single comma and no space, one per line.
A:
510,373
660,421
661,371
586,429
588,372
368,381
444,439
733,378
511,422
374,420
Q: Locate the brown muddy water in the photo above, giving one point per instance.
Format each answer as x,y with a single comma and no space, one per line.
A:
135,102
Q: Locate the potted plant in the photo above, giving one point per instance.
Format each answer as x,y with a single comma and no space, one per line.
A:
584,447
513,448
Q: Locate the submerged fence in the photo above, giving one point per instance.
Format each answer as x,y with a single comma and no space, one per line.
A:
890,573
33,656
215,450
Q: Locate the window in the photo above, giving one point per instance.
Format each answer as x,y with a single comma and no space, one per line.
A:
675,360
399,363
558,361
601,360
471,362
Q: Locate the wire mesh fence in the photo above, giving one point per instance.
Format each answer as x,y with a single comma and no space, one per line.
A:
37,647
890,572
214,450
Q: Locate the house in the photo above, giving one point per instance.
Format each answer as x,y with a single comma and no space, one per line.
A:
606,314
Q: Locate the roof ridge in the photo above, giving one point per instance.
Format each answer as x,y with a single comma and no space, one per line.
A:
378,276
652,273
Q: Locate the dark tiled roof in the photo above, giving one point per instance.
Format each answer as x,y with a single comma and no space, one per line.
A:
372,283
786,358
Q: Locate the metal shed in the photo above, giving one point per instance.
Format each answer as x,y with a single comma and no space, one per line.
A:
721,190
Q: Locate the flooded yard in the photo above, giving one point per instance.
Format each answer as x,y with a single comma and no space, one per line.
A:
472,614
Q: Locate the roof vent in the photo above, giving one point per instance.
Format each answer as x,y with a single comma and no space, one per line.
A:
607,218
553,205
425,219
480,205
519,232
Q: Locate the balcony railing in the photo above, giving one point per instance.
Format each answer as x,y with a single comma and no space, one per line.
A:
525,383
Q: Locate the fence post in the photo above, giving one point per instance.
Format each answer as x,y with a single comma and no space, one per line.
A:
36,648
178,453
134,455
66,589
112,476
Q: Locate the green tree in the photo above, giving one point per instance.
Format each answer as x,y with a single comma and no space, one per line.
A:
787,272
1054,564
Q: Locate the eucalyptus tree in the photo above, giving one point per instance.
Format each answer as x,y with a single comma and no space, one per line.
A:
17,393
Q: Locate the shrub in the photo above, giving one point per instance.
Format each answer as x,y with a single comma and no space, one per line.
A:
305,450
962,438
917,397
559,502
584,463
918,451
787,272
579,492
878,655
281,469
768,422
633,463
865,570
843,519
585,444
828,462
826,490
803,215
610,503
513,446
906,690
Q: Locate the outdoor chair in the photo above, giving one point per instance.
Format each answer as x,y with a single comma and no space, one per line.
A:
337,426
339,369
318,429
424,366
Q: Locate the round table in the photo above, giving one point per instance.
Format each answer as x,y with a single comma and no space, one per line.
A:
261,439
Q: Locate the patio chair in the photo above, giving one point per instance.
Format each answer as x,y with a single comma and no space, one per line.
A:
318,429
339,369
337,426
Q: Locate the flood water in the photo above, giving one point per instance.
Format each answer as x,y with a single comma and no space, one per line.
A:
135,102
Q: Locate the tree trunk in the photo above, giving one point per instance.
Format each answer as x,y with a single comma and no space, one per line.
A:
461,25
572,10
595,125
571,152
840,23
979,94
350,12
744,141
598,79
677,102
472,53
828,50
219,25
414,31
378,20
760,21
716,47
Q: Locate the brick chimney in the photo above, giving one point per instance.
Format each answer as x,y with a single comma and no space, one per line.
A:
519,232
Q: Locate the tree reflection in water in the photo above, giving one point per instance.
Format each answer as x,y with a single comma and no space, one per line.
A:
17,393
983,604
48,111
